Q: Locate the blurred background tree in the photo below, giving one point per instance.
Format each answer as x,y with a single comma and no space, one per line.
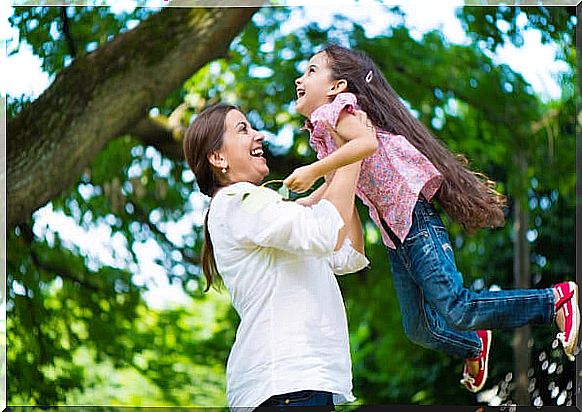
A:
103,147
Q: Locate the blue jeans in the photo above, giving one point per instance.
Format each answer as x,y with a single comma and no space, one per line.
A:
437,311
301,398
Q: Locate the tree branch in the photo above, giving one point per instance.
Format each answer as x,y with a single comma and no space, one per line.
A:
59,270
103,94
142,215
67,33
157,132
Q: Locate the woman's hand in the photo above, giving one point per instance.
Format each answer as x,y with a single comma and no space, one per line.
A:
361,126
314,197
339,141
305,201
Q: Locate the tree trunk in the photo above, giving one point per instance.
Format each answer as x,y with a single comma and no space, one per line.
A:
104,93
522,279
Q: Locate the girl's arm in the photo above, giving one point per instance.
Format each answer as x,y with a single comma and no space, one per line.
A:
316,195
360,141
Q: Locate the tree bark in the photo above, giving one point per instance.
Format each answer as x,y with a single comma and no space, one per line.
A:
522,279
103,94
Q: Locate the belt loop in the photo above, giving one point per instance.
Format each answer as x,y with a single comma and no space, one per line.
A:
391,234
422,209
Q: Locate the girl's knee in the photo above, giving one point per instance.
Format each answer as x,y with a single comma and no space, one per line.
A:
416,336
458,310
422,332
457,318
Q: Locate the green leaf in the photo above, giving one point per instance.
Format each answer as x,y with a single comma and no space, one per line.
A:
284,191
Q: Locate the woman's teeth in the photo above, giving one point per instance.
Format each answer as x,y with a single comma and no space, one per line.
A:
257,152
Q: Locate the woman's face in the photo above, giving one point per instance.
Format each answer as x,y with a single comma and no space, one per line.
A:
242,151
316,87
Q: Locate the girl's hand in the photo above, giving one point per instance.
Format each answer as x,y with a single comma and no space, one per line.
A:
301,179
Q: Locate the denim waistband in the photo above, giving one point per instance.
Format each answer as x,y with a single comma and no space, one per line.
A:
422,214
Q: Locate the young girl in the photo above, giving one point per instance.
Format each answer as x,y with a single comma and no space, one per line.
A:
402,170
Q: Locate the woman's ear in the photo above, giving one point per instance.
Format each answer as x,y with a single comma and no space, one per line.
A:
338,86
217,160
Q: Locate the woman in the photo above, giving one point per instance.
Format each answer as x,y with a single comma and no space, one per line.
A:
277,260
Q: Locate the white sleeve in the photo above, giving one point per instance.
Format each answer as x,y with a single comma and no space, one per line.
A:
347,260
259,216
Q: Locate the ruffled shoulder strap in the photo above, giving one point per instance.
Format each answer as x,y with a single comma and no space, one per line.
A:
330,112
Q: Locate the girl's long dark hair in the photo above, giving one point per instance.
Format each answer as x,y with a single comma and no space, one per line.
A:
468,197
204,136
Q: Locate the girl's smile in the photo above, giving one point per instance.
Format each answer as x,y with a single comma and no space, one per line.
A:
316,86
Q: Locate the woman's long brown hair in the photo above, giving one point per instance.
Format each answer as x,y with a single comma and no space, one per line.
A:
468,197
204,136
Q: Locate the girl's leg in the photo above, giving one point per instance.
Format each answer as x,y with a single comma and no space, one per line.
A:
432,265
422,324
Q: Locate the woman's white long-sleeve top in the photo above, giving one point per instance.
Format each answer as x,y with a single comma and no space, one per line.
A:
277,261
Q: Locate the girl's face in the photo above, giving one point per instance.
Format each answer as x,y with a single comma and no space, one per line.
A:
316,87
241,152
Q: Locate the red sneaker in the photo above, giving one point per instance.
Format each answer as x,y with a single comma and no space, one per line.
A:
568,302
476,383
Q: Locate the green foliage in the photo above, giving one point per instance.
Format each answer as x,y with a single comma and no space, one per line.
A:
494,26
55,305
180,361
89,27
79,329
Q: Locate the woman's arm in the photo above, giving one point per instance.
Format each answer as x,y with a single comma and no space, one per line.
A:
258,216
360,141
341,192
350,257
355,232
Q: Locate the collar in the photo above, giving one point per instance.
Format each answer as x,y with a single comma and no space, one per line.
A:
308,125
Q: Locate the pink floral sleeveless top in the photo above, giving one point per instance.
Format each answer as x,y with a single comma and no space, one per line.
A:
391,179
